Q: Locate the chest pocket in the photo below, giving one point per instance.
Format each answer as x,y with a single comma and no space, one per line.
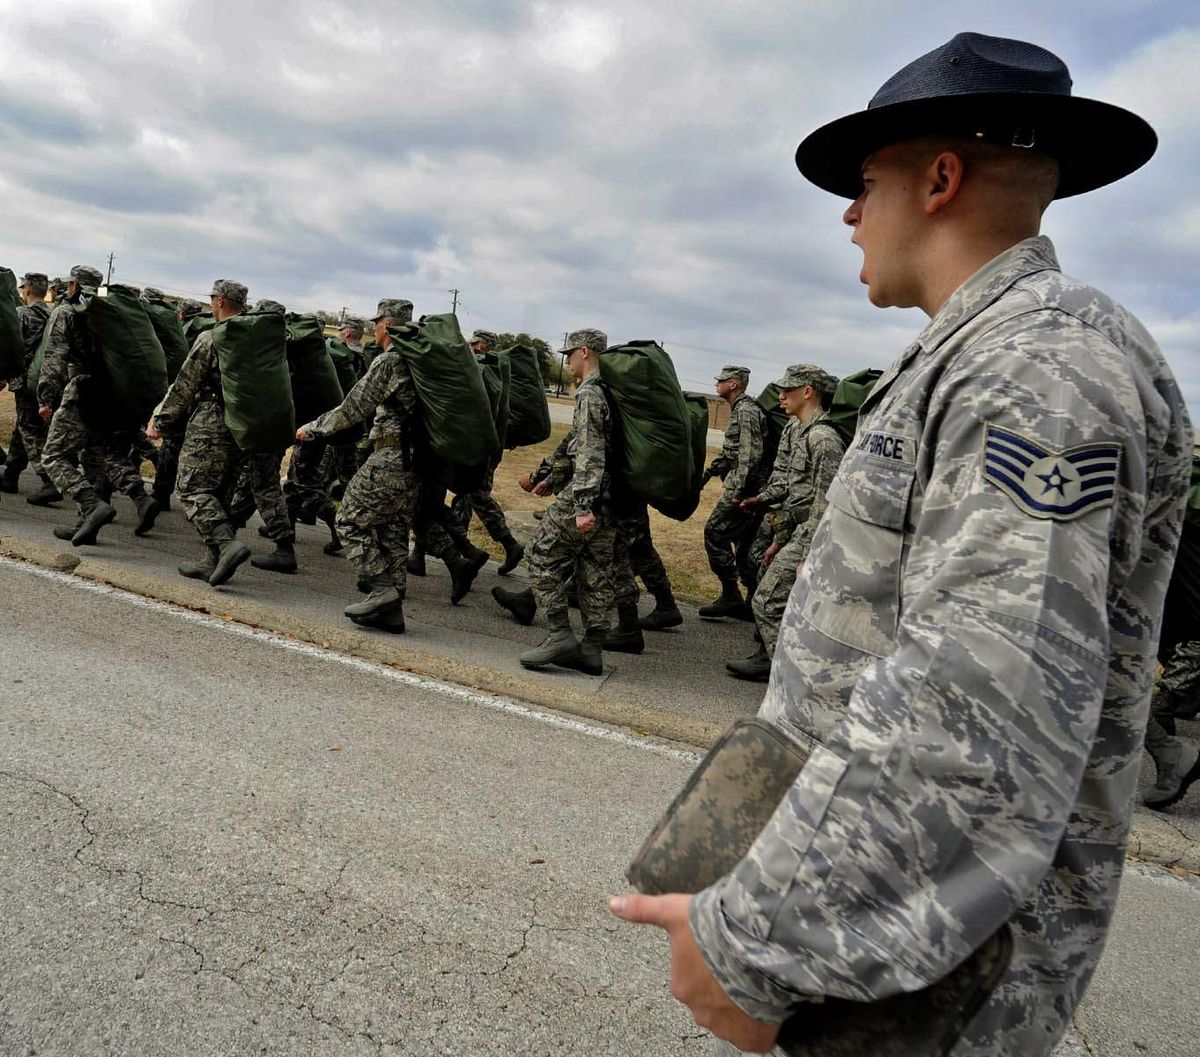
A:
854,586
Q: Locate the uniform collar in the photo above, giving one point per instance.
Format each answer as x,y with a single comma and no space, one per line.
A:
987,285
820,416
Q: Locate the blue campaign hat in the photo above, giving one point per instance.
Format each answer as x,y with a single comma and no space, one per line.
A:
993,89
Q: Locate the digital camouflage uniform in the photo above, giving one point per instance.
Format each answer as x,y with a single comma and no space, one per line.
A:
729,532
209,458
380,500
973,641
558,548
257,487
807,459
29,432
634,555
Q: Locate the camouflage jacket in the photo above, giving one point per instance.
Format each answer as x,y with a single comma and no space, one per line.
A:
972,639
805,462
587,444
741,461
33,320
386,391
70,351
198,382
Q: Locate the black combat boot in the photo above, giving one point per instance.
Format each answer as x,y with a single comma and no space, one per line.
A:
232,554
462,574
45,495
756,668
665,613
513,553
627,636
162,495
329,516
416,560
148,510
96,514
728,604
520,604
9,481
281,560
202,569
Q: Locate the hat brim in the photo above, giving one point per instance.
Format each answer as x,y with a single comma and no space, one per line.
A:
1094,143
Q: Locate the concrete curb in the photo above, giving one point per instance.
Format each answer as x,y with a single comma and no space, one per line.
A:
1153,837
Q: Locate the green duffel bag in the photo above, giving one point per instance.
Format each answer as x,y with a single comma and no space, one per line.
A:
12,348
458,435
528,408
345,362
170,335
256,383
34,371
777,420
497,380
697,407
196,326
653,457
848,398
315,386
135,366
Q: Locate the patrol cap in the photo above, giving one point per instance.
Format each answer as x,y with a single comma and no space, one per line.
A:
85,276
731,372
188,308
60,282
799,374
486,336
352,323
231,290
267,305
587,338
36,281
393,308
125,288
152,293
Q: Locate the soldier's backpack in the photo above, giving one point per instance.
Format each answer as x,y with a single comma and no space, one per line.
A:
315,386
135,366
848,399
697,407
497,380
528,408
197,325
170,336
653,456
777,420
345,362
12,348
457,440
252,354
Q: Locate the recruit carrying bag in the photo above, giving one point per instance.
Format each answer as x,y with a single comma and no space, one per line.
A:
345,362
497,380
458,439
252,354
528,408
848,398
315,386
166,325
12,348
653,454
135,366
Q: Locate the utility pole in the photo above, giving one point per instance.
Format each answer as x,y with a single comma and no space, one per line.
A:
454,306
108,277
562,367
342,318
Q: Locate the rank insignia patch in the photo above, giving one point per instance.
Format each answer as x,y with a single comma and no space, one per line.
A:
1061,485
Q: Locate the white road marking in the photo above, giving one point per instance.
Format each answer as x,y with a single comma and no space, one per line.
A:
462,694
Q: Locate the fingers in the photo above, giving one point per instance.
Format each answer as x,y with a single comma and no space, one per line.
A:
667,912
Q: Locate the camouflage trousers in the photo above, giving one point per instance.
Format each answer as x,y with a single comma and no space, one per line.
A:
341,461
28,436
73,448
306,489
728,538
166,472
481,502
774,588
1181,674
209,460
558,549
634,555
257,488
435,528
376,512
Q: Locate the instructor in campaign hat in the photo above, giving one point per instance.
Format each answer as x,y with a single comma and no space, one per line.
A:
973,636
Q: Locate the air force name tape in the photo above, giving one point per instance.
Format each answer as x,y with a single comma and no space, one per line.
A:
1058,485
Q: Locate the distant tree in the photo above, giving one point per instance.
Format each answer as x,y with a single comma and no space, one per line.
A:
327,318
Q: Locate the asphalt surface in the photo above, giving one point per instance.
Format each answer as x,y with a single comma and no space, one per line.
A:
219,841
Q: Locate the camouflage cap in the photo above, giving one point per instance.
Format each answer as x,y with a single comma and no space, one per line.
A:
152,293
60,281
85,276
587,338
731,372
807,374
486,336
231,290
36,281
125,288
353,323
267,305
393,308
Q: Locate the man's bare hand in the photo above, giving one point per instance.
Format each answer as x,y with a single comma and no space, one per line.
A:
152,432
771,551
46,412
691,982
585,522
302,435
525,482
542,488
749,503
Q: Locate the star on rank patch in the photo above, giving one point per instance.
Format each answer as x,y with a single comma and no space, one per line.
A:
1060,485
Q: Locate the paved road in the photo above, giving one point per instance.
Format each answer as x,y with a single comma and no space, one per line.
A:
219,842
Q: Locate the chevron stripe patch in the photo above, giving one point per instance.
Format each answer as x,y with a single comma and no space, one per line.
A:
1057,485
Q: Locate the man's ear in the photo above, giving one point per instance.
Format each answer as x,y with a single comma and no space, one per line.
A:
943,179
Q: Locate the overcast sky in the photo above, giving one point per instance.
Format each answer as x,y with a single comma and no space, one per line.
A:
626,165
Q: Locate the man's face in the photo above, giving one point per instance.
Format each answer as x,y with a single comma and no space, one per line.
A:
888,224
72,288
380,330
350,336
725,387
575,363
792,400
478,347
